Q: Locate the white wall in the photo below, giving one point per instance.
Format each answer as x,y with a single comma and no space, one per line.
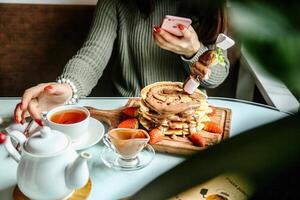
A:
72,2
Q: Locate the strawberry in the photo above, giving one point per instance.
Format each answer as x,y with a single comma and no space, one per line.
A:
2,138
129,123
131,111
213,112
155,136
198,140
212,127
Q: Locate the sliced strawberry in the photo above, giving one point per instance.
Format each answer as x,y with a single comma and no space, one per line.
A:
213,112
129,123
198,140
131,111
155,136
212,127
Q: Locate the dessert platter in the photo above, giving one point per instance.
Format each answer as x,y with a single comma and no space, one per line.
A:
177,122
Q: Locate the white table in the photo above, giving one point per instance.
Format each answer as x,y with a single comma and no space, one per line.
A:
111,184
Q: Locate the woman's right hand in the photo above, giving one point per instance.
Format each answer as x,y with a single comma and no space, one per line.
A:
40,98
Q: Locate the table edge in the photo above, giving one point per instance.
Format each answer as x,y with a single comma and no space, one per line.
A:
212,97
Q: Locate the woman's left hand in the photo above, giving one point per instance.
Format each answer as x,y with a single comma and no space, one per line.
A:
187,45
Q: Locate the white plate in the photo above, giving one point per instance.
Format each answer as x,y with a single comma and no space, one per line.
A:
91,137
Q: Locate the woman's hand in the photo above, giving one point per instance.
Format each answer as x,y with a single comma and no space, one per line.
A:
42,97
200,70
187,45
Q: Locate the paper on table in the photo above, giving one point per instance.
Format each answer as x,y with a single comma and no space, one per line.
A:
223,187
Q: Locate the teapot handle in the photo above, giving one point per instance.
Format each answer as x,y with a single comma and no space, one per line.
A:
20,137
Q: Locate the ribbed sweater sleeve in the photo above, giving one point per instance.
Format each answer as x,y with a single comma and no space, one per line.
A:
218,72
137,61
86,67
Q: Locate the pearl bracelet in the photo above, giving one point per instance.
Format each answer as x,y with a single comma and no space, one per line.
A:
74,98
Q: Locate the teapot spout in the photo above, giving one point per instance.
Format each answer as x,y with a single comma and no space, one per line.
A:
77,173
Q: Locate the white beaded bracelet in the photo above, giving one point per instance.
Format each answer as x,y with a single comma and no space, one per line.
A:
74,98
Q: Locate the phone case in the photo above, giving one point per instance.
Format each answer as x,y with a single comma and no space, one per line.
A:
170,24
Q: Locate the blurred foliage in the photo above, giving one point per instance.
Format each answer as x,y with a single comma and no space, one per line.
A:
270,32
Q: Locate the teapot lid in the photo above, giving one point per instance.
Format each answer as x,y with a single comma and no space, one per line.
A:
46,141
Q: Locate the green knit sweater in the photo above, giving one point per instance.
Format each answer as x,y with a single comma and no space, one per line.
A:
119,28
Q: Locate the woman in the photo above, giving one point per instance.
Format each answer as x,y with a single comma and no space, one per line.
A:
141,54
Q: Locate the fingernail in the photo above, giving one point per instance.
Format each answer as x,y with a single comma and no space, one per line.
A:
23,122
156,29
181,27
49,87
39,122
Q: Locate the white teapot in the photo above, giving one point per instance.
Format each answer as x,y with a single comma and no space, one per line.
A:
49,167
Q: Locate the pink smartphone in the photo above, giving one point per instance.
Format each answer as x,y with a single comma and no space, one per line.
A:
170,24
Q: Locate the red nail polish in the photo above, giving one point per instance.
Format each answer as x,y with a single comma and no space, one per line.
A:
39,122
22,122
156,29
49,87
16,120
181,27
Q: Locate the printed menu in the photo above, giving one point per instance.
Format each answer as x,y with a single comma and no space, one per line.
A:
223,187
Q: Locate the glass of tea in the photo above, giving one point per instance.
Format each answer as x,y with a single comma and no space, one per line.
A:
73,120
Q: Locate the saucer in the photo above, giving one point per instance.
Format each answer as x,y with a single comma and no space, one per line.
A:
112,160
94,134
91,137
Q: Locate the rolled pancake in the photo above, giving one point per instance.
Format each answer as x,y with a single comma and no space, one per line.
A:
169,98
147,124
177,132
166,106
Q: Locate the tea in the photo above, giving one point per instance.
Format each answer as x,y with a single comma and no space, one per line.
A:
68,117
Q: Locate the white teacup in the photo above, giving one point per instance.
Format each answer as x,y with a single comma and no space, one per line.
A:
72,120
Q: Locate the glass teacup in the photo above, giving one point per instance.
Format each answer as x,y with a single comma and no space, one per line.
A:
127,143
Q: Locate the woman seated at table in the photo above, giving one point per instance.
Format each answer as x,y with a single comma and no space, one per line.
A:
142,54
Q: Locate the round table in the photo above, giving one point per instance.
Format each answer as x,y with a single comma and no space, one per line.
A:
110,184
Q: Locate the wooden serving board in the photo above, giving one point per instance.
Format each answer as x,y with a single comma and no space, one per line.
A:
186,147
180,146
